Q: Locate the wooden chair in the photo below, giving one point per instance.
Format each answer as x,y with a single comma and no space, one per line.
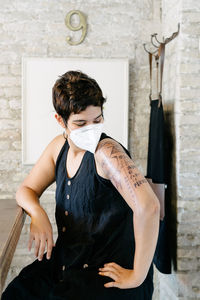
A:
12,218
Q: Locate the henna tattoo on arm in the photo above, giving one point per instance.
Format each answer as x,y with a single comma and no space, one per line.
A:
119,167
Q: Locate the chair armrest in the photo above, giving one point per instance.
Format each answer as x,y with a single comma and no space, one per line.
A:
12,217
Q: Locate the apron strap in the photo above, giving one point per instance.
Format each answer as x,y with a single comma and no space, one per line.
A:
161,55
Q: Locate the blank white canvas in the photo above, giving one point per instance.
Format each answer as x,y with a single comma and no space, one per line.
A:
39,125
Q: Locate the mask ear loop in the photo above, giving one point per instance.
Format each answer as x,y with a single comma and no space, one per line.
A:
102,113
64,132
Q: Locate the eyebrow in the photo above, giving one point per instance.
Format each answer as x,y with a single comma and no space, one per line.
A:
86,120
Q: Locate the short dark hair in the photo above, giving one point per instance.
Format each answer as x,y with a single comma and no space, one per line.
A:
73,92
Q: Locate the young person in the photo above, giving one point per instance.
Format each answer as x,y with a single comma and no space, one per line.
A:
106,213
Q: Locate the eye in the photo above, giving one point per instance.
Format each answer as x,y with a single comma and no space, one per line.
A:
85,123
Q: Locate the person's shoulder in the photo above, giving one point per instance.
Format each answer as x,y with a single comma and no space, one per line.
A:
43,172
108,142
107,155
108,146
56,145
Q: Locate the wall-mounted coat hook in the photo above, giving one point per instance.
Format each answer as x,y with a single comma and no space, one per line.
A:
152,36
165,41
159,55
149,51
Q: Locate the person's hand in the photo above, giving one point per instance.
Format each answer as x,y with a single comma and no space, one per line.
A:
124,278
41,232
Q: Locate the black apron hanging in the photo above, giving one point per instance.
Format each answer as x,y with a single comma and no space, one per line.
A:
157,167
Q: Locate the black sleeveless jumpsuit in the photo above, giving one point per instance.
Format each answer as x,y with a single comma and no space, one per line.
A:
95,226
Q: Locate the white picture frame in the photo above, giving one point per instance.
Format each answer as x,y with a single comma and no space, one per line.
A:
39,125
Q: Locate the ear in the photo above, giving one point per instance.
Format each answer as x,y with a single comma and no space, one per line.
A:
60,120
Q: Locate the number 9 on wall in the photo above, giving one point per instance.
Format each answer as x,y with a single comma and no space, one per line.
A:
82,25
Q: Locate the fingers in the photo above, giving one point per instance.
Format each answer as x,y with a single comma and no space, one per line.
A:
40,245
42,248
41,232
111,270
123,278
113,265
111,284
110,274
31,238
37,245
50,244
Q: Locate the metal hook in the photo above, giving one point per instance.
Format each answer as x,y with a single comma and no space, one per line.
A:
149,51
167,40
152,36
155,34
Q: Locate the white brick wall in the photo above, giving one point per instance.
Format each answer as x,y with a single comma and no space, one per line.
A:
181,91
116,28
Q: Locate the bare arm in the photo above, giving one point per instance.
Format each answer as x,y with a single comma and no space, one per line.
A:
134,188
40,177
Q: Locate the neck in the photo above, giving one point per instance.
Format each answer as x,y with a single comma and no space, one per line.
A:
74,149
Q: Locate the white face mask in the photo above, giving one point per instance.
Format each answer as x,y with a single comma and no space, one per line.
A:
87,137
